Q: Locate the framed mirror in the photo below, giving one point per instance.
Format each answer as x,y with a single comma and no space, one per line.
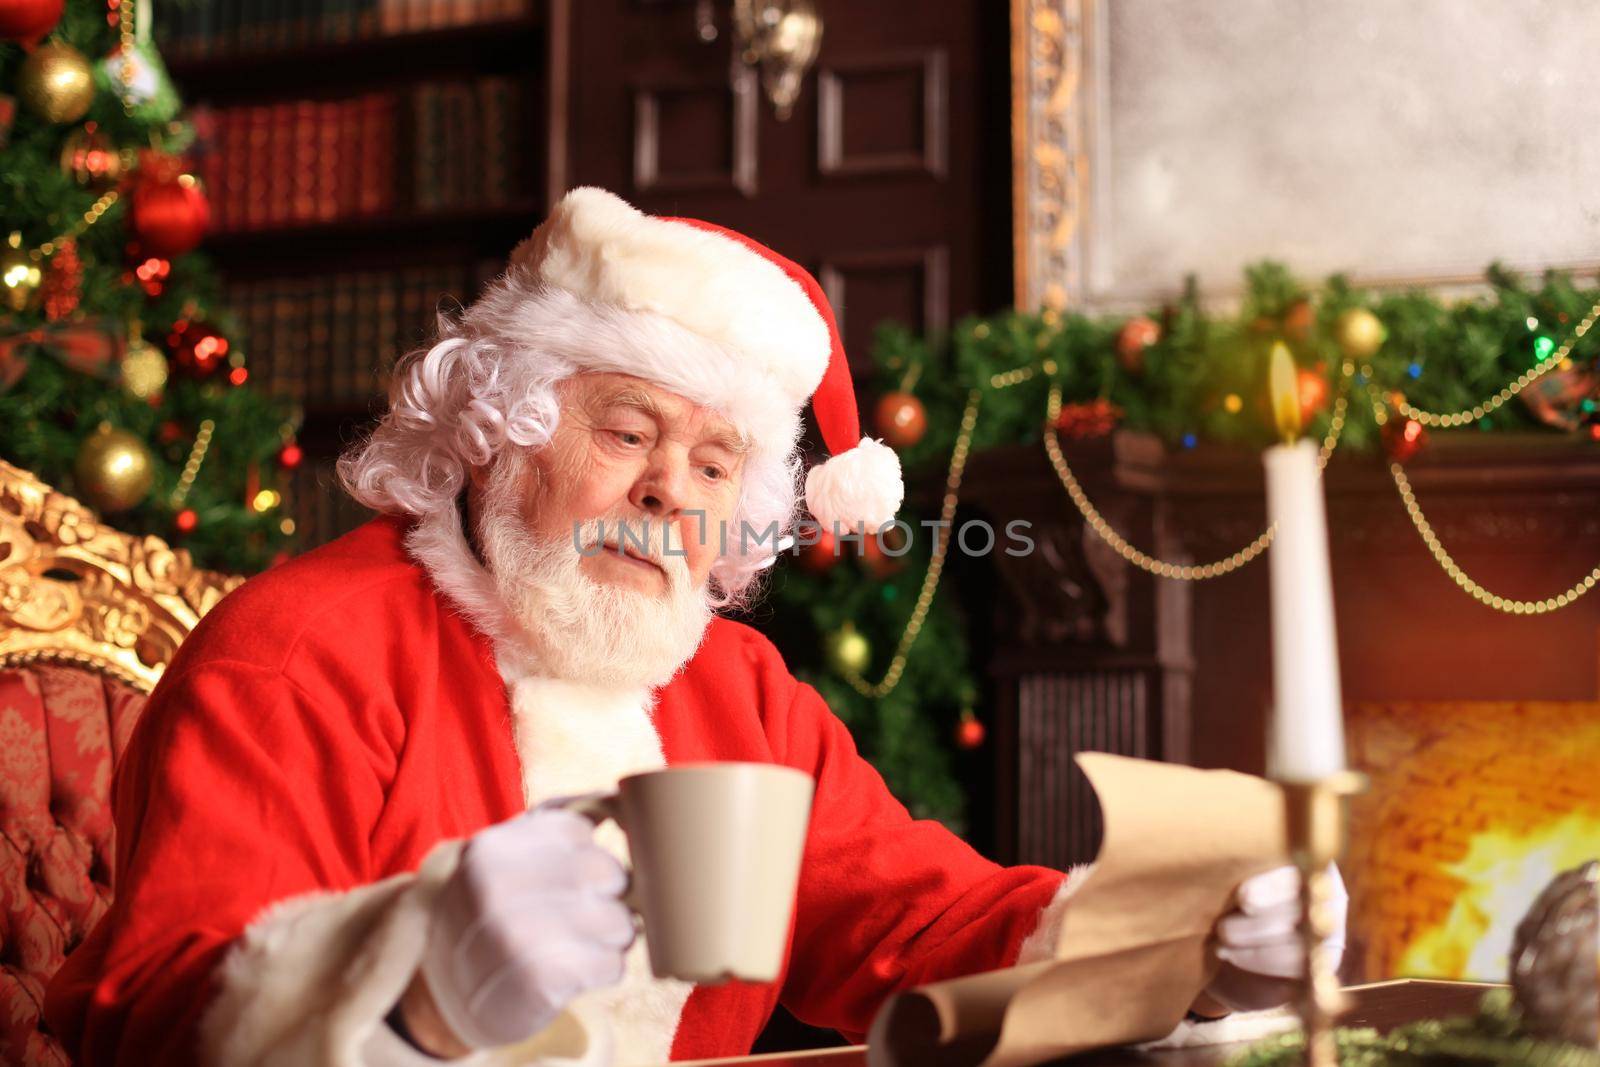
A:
1402,144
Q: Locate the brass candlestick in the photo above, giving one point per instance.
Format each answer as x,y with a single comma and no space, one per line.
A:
1314,817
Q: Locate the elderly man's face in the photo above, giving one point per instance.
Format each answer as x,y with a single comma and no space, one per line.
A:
627,449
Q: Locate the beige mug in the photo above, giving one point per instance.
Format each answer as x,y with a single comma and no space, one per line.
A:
716,851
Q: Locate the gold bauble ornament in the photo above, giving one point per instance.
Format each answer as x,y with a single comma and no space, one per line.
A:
56,83
114,469
1359,333
20,276
847,650
144,370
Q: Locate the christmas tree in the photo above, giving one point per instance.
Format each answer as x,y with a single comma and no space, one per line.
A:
122,380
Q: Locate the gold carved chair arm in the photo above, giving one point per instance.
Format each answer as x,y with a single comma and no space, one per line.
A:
75,590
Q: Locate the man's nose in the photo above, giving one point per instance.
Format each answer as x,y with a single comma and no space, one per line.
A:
661,491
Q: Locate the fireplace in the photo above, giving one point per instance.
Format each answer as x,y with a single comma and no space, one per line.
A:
1480,728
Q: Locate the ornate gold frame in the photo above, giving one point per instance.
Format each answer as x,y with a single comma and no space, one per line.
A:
76,591
1051,156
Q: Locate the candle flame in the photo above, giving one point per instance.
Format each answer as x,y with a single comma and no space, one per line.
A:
1285,391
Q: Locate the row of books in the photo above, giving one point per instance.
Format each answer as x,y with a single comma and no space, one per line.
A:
200,30
328,342
432,147
467,144
320,508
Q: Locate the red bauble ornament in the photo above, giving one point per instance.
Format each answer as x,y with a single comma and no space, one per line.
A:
196,348
1095,418
1312,388
1594,431
1403,438
901,420
821,556
27,21
289,456
238,376
877,562
169,215
186,520
970,732
170,432
1135,336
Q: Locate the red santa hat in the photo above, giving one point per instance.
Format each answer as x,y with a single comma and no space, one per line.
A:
772,343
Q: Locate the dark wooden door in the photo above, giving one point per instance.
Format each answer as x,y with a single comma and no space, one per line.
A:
890,180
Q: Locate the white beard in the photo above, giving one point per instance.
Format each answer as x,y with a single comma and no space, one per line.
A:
582,630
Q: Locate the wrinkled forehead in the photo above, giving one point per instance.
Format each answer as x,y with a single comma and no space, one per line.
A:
597,393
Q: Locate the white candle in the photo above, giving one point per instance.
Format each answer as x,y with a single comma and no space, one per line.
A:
1307,736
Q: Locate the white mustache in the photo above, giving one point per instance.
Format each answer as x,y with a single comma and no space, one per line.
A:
634,537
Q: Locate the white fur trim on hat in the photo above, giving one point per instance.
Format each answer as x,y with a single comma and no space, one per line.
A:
859,487
604,337
603,249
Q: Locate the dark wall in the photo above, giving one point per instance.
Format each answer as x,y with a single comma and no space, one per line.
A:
890,181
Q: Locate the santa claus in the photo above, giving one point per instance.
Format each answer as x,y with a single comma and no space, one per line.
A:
333,845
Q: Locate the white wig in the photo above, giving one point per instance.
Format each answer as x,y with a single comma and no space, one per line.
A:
488,383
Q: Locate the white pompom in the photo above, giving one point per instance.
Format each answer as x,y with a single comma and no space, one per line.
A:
855,488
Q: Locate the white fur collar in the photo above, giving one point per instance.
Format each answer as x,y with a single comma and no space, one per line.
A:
570,739
574,739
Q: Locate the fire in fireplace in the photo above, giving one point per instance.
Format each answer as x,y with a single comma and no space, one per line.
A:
1474,807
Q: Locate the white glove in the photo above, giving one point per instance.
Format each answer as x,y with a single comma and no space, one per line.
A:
1259,941
530,919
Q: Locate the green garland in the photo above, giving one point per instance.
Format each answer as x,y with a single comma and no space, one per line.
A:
1493,1036
1443,356
1203,380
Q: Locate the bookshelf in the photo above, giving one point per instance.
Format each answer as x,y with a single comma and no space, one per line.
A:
367,162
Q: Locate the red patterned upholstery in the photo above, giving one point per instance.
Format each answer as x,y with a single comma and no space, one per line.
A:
61,729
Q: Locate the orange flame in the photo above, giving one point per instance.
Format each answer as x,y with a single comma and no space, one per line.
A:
1502,873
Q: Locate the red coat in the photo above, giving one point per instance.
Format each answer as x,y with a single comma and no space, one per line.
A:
333,720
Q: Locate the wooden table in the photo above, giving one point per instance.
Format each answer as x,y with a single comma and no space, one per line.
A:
1382,1006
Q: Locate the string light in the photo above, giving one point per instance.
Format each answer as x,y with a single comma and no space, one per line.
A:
197,456
1183,572
941,548
1547,363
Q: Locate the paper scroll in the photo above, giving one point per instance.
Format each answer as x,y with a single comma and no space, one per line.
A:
1132,954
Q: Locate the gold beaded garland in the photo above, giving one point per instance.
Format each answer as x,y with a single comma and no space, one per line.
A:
1359,336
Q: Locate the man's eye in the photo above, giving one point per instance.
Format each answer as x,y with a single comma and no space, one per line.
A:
716,474
628,437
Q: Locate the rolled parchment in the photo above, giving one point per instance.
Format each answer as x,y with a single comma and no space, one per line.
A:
1132,955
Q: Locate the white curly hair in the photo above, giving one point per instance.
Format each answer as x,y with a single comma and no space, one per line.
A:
487,382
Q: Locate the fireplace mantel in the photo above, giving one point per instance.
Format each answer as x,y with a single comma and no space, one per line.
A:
1083,650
